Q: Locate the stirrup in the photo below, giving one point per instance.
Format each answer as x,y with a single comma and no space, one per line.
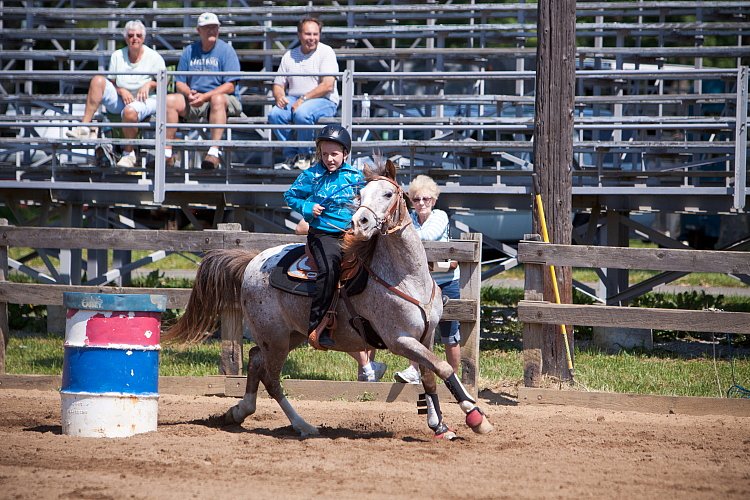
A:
314,338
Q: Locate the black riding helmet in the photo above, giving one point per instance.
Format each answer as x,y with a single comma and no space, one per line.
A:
335,133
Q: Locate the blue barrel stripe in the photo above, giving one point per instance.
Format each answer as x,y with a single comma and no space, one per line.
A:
115,301
99,370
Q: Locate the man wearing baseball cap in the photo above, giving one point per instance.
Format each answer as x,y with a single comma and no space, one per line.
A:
203,97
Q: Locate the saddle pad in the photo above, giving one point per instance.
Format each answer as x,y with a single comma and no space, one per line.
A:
281,280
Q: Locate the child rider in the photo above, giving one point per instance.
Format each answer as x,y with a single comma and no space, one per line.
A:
324,194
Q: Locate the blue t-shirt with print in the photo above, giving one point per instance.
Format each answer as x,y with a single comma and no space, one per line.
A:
221,57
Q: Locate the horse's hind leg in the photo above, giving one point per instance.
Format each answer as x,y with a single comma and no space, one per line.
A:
246,407
274,357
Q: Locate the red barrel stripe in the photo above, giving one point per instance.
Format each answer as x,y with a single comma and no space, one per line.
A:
135,328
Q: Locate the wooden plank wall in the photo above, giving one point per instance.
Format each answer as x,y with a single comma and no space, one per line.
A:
534,312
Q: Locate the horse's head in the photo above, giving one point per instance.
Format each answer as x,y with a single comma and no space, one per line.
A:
382,208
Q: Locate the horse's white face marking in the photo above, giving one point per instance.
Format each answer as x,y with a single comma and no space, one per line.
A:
376,198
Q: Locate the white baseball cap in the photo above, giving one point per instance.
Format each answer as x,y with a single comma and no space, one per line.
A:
208,18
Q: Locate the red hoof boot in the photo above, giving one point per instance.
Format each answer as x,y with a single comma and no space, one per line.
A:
442,431
448,435
474,418
478,422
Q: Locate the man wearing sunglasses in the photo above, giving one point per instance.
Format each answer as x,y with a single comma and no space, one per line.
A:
132,96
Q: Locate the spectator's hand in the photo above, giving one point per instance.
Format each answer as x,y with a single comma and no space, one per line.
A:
143,92
318,209
196,98
297,104
302,227
282,102
126,96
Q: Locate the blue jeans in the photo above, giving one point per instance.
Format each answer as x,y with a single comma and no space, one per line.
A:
308,113
449,330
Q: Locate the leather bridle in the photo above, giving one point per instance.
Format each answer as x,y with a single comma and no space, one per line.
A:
395,219
397,215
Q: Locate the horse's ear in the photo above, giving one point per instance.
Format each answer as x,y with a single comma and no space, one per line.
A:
390,169
367,171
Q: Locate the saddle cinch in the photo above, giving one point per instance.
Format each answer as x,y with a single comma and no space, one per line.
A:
296,273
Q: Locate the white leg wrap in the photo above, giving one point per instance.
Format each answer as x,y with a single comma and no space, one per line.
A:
457,389
466,406
433,418
298,423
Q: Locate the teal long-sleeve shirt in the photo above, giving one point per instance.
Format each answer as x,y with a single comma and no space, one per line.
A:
335,191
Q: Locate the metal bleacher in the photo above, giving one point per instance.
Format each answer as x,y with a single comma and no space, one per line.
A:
443,89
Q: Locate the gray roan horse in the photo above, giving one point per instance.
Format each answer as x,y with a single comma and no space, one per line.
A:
400,301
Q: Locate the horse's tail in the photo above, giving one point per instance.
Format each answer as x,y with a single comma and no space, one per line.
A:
217,286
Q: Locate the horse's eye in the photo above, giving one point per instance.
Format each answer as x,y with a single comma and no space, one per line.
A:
389,195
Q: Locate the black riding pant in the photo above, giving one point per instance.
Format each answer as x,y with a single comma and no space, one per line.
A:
326,250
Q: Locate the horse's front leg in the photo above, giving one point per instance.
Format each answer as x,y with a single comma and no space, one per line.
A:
412,349
429,404
429,364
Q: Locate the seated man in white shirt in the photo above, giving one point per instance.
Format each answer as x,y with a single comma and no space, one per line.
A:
303,100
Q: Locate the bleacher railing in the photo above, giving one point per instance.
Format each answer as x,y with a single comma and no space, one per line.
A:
493,126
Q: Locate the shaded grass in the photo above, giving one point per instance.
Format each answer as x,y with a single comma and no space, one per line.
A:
655,373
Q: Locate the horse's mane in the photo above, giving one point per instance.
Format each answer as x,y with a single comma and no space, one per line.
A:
355,250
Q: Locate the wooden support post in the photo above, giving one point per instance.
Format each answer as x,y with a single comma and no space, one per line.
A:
4,328
231,327
231,342
533,333
553,152
471,285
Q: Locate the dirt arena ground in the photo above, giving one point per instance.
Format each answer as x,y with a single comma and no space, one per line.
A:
373,450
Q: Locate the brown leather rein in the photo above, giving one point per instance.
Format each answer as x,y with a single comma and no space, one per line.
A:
395,219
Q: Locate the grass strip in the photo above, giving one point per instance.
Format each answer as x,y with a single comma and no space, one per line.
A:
627,372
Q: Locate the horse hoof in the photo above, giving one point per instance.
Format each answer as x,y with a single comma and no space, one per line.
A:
448,435
308,431
478,422
229,417
474,417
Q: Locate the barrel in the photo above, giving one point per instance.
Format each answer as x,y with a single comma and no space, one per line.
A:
110,382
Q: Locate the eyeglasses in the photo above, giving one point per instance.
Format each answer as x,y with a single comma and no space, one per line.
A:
420,199
135,35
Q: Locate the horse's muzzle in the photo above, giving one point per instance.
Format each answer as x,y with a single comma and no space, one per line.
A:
364,223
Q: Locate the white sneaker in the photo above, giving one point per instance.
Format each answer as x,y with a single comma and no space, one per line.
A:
373,375
128,161
302,163
81,132
408,376
287,164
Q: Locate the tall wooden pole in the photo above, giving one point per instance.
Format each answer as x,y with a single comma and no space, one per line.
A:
553,154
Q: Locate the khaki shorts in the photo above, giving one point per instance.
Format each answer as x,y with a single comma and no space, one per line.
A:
200,114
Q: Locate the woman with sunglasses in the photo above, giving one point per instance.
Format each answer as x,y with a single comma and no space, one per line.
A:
432,225
133,97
